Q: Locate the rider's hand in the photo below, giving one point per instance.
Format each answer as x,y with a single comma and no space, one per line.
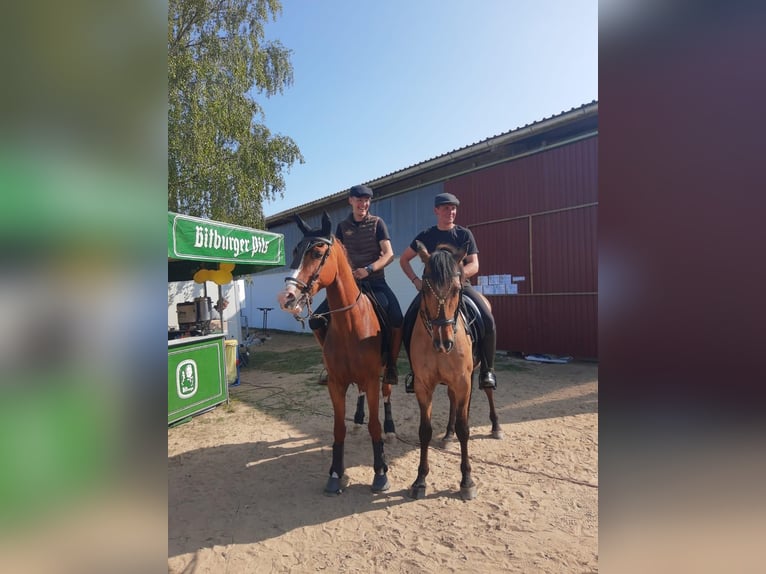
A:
418,283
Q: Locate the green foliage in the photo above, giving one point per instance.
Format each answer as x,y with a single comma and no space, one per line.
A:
222,160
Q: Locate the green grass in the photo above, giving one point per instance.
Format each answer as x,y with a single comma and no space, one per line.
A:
293,362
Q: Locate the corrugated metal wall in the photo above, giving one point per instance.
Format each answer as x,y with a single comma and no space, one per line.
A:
535,218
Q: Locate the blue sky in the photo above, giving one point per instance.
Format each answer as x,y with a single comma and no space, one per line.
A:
380,86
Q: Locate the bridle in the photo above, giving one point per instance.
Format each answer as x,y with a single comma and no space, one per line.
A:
441,319
305,288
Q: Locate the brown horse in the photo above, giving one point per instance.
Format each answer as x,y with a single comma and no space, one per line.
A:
497,431
352,347
441,353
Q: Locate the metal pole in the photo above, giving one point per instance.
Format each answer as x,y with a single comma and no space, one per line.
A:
265,314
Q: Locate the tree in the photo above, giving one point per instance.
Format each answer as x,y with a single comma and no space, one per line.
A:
223,162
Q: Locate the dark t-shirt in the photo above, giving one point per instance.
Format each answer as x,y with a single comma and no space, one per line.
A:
381,231
457,237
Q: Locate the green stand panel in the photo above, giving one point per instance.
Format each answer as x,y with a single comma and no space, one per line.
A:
196,376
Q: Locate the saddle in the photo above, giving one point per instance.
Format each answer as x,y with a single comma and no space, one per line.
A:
474,323
381,314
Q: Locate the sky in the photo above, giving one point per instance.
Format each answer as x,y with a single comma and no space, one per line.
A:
381,86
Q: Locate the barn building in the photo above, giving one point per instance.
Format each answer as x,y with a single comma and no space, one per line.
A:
530,198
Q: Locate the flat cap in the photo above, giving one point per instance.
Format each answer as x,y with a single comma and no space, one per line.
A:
360,191
445,199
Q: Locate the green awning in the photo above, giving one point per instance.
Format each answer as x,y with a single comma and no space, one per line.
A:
195,244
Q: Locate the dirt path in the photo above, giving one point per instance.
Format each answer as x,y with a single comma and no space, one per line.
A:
246,480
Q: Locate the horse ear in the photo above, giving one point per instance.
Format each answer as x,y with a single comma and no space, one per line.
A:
301,224
326,224
460,255
422,251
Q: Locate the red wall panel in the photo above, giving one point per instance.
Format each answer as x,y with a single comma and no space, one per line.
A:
536,217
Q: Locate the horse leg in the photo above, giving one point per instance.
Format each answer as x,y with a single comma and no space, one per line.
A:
380,479
359,414
467,485
388,418
337,480
497,432
449,436
418,488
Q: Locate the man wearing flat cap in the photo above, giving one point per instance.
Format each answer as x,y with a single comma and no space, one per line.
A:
368,245
447,231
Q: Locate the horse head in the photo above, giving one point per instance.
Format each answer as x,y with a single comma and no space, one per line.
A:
442,288
310,271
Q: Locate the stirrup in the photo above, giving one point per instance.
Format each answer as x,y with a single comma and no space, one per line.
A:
409,383
487,380
323,377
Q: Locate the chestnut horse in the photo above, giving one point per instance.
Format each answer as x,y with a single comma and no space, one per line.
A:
440,352
352,347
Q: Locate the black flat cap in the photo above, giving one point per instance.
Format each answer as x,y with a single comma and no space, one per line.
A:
445,199
360,191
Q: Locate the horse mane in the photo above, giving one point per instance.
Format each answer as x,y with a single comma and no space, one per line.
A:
442,264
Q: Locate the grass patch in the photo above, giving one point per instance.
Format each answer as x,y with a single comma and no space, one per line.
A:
287,361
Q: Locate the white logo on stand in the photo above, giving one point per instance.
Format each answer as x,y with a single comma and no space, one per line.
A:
186,378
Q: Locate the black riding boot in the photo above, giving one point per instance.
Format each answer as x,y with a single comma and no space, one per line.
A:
487,378
409,324
391,375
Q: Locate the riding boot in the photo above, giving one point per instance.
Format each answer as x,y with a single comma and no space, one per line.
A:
407,328
320,333
391,376
487,378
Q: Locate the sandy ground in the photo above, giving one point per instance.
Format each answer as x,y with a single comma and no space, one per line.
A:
246,480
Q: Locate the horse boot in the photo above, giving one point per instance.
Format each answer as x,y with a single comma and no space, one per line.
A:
391,376
487,378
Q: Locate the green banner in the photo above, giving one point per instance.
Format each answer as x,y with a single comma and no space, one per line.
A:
205,240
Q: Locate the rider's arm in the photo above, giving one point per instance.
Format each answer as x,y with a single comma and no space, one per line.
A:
386,256
404,262
470,265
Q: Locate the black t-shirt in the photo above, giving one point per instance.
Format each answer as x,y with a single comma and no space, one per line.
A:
381,230
457,237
